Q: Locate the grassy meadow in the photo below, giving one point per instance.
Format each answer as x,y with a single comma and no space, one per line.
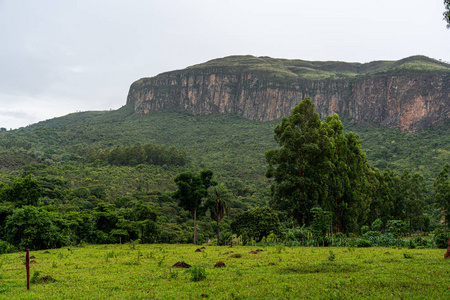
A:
276,272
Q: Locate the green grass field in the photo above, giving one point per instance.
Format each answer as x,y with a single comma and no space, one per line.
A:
146,272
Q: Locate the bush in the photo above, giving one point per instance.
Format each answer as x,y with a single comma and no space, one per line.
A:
197,273
411,244
377,225
442,240
372,235
332,256
6,247
34,228
396,227
363,243
364,229
387,240
419,241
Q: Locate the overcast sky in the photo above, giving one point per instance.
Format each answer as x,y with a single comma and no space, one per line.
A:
59,57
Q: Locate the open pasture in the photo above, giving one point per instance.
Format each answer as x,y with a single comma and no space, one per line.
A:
277,272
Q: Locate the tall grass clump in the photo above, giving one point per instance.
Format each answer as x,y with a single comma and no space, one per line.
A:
197,273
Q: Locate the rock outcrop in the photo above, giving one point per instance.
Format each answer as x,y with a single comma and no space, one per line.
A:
412,94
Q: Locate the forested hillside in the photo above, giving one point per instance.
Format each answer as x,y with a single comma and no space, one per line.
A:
109,176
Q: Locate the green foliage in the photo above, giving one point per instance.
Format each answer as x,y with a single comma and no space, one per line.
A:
218,202
425,151
24,191
363,244
332,256
441,240
447,12
442,191
197,273
396,227
364,229
284,71
6,247
33,228
66,158
377,225
192,189
35,277
140,154
407,256
321,222
256,223
318,165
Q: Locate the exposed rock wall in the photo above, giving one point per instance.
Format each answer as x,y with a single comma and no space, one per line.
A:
411,102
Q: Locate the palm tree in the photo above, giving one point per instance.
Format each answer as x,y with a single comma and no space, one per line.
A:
218,203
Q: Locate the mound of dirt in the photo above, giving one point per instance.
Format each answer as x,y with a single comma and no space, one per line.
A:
253,252
181,264
220,264
447,253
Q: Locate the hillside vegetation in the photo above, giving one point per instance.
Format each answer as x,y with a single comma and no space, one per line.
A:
70,158
318,70
233,147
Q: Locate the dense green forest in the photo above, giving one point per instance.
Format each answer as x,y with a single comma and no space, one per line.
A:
108,177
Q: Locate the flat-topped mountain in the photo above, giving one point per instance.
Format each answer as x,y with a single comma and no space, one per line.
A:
412,93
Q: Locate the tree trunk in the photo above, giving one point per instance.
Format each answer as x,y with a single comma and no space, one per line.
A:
195,226
421,221
218,227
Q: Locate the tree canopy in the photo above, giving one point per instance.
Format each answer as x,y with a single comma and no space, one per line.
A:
318,165
447,12
218,203
256,223
192,189
442,191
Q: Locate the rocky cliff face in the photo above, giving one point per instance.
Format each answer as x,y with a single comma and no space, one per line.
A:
409,97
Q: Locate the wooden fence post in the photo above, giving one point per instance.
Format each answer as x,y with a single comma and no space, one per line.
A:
27,263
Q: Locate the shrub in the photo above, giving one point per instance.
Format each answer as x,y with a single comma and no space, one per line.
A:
332,256
371,234
339,235
377,224
197,273
419,241
6,247
396,227
35,276
442,240
386,240
363,243
364,229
